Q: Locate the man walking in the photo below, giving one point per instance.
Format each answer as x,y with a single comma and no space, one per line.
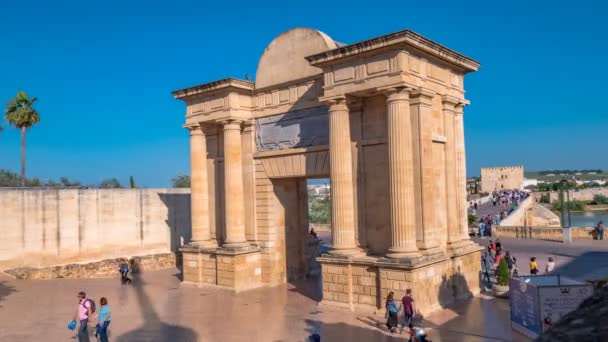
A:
600,230
408,307
83,312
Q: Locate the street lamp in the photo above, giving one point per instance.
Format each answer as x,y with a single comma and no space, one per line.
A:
563,184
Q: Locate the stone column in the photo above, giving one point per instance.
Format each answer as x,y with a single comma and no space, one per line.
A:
427,176
451,178
401,175
461,171
341,173
248,148
233,186
199,192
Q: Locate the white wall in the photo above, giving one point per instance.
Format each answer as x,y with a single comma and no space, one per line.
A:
42,227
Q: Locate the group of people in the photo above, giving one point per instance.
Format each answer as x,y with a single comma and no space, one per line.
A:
393,310
494,254
503,203
86,311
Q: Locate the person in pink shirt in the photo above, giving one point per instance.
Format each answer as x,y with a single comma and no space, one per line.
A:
83,312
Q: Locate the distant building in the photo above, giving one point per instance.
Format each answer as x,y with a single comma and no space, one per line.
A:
502,178
529,182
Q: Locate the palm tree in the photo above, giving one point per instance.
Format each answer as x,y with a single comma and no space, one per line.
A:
20,113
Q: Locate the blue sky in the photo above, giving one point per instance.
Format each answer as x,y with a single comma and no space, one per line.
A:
104,70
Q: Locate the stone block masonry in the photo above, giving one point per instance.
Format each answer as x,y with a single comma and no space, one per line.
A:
98,269
46,227
236,270
364,284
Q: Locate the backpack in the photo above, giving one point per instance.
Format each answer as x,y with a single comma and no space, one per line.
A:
91,304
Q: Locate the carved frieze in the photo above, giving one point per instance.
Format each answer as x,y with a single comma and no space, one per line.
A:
301,128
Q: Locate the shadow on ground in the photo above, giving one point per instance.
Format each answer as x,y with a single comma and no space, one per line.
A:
346,332
154,329
590,266
6,290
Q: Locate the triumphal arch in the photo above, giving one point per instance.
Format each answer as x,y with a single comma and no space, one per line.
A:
383,119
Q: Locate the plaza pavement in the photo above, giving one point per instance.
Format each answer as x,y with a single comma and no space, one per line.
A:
157,308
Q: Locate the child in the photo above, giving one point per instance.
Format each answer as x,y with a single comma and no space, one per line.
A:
550,265
533,267
124,271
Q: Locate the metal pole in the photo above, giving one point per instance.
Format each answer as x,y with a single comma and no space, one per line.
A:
561,201
569,209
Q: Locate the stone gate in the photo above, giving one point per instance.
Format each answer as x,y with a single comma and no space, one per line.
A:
383,119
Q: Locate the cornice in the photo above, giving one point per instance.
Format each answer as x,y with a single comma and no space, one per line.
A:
223,84
407,37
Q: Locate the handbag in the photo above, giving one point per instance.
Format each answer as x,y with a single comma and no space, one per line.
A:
72,325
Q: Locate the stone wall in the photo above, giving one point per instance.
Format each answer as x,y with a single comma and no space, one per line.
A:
542,233
98,269
45,227
580,195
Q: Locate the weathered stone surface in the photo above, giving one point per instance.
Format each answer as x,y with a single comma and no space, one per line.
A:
99,269
587,323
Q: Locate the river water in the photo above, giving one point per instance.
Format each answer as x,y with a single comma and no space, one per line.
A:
588,218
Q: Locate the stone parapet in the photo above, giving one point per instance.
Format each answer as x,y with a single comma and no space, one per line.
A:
364,283
543,233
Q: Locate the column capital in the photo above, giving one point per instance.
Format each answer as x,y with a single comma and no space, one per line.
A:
355,104
396,93
459,108
422,96
334,100
193,129
248,126
232,124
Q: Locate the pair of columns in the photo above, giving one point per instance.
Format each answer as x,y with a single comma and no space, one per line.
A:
233,185
401,177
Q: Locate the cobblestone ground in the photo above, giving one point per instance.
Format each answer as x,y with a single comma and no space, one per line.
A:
156,308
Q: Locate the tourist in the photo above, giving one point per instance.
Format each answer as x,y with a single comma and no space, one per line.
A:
499,257
498,245
600,230
509,260
550,265
392,312
492,250
83,312
313,233
124,271
104,320
533,266
408,307
486,264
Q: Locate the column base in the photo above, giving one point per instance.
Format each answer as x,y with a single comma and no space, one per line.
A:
204,244
346,252
236,246
224,268
403,253
462,246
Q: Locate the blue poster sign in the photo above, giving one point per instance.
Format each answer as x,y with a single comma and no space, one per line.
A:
524,307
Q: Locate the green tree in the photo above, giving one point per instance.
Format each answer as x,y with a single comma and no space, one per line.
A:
110,183
21,114
502,273
132,182
600,199
319,209
181,181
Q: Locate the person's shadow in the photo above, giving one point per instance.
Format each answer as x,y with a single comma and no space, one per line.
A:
153,328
